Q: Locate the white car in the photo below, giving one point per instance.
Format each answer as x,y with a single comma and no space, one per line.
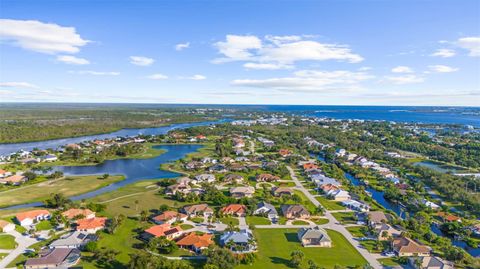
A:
389,254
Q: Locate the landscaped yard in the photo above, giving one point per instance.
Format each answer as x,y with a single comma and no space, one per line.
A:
7,241
329,204
186,226
43,225
71,186
299,222
275,246
389,262
228,220
257,220
320,221
357,231
345,217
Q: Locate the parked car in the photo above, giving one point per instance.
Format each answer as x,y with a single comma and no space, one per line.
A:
388,254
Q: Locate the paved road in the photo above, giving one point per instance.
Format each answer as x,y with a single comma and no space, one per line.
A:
23,243
242,223
334,225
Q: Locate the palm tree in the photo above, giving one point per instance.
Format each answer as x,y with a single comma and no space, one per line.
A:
136,205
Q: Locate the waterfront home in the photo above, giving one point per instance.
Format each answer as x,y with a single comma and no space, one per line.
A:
4,173
198,210
238,242
31,217
356,205
233,178
314,237
448,217
6,226
169,217
162,230
182,186
326,188
204,178
320,180
338,195
267,178
54,258
234,209
430,262
429,204
241,192
266,209
14,180
195,242
280,191
194,165
295,211
49,158
376,217
91,225
209,160
385,231
404,246
76,239
78,213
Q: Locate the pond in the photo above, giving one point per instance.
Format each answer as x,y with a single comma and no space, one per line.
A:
440,167
133,170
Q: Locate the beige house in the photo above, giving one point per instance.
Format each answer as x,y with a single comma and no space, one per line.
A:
314,237
406,247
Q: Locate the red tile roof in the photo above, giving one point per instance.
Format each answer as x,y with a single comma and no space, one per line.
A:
93,223
32,214
163,230
168,215
198,241
234,208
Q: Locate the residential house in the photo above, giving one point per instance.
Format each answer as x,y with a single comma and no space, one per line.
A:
238,167
285,152
78,213
31,217
218,168
76,239
91,225
4,173
356,205
280,191
309,166
314,237
194,165
195,242
204,178
429,204
54,258
198,210
339,195
376,217
320,180
233,178
385,231
264,208
238,242
295,211
404,246
430,262
240,192
162,230
267,178
449,217
6,226
169,217
13,179
234,209
49,158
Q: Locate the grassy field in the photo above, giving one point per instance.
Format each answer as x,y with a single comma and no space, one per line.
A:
69,186
257,220
329,204
7,241
123,200
345,217
275,246
356,231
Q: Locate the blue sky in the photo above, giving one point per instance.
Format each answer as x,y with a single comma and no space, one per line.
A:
247,52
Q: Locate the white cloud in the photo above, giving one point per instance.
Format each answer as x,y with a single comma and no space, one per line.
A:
309,80
470,43
95,73
15,84
5,92
141,61
442,68
182,46
68,59
41,37
405,79
402,69
157,76
278,51
195,77
267,66
445,53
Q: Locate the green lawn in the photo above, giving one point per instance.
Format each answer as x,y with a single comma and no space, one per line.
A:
7,241
299,222
320,221
227,220
74,185
345,217
257,220
275,246
329,204
197,219
390,262
43,225
356,231
186,226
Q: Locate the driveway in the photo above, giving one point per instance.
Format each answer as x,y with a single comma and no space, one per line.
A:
334,225
23,243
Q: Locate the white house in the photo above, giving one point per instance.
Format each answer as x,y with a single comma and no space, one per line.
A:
31,217
209,178
339,195
6,226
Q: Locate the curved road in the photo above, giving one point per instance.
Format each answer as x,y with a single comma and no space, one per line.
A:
334,224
